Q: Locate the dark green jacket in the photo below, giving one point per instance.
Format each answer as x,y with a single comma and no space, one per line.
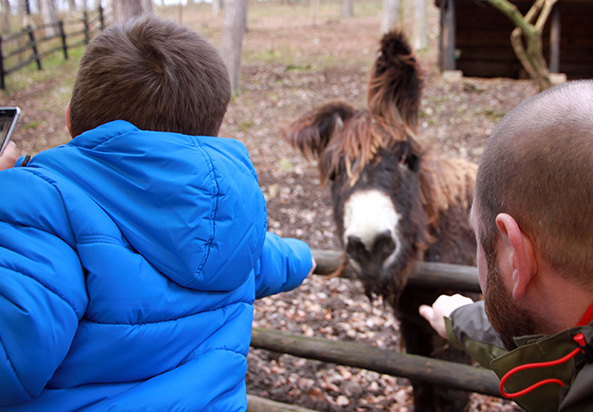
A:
468,328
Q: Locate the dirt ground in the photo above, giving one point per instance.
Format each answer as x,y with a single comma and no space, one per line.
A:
456,117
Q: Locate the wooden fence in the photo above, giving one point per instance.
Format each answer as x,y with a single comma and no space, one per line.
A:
426,274
32,44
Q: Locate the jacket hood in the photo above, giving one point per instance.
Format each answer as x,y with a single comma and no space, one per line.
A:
190,205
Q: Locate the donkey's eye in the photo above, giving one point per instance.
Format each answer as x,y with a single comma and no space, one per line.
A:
413,162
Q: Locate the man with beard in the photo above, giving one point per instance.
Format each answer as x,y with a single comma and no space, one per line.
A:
533,221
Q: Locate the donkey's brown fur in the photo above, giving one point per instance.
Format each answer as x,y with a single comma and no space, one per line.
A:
445,182
377,149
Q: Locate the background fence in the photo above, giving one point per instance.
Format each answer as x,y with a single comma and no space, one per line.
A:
33,43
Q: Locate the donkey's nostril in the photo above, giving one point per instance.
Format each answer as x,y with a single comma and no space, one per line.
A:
356,249
383,246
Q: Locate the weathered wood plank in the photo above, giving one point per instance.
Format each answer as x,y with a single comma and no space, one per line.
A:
257,404
454,375
448,36
555,39
425,274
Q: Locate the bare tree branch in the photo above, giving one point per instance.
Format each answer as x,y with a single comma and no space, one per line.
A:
529,54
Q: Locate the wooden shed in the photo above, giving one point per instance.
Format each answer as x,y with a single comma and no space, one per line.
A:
475,38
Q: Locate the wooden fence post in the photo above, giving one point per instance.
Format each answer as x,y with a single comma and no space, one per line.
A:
63,36
447,39
555,39
37,52
34,47
2,84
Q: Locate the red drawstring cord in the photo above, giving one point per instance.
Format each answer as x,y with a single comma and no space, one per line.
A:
579,338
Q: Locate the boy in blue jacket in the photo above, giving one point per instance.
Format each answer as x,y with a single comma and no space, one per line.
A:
130,257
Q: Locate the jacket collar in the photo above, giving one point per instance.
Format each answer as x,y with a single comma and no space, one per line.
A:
538,349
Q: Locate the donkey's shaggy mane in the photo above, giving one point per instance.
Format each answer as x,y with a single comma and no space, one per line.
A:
359,141
445,182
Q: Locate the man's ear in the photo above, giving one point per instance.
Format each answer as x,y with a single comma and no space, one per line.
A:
68,119
520,252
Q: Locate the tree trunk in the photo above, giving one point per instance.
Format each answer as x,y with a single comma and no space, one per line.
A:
389,15
35,5
49,14
314,11
531,57
5,16
123,10
147,6
72,5
92,5
108,6
233,27
216,7
24,11
420,27
347,8
24,8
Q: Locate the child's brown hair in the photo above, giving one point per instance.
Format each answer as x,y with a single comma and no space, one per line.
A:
155,73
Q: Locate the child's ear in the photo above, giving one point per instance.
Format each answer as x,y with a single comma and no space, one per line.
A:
68,119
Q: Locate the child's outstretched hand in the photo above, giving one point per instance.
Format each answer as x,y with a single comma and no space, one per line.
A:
312,267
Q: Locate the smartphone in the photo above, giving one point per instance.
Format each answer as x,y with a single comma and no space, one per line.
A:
8,119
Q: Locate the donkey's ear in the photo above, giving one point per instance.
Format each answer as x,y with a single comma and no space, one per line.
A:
396,82
312,132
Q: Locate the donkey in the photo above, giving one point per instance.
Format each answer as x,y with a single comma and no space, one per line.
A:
394,200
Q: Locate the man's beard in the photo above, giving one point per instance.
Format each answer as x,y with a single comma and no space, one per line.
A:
507,319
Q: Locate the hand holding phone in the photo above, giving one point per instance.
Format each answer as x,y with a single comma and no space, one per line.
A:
8,119
10,156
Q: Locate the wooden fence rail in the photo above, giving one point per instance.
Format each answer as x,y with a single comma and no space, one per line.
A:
425,274
40,46
257,404
451,374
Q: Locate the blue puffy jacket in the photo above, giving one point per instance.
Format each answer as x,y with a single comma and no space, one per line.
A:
129,263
